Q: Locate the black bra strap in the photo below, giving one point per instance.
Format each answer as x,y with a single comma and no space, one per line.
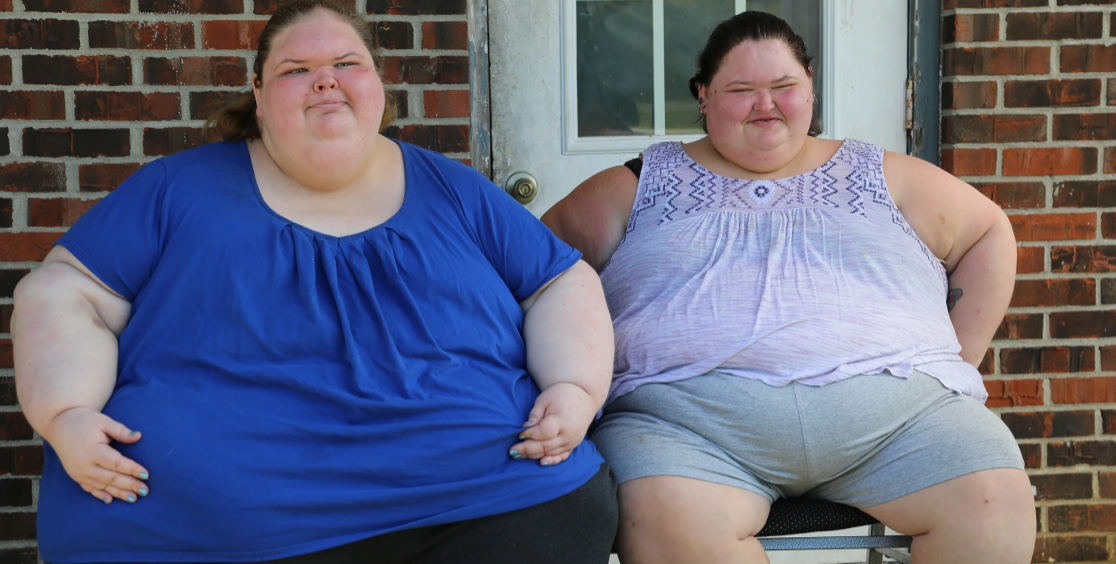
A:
635,165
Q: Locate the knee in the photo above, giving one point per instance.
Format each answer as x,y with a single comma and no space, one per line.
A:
1001,512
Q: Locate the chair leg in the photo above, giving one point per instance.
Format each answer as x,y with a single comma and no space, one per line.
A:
874,556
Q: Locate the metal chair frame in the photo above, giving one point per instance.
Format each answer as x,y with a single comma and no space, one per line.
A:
877,542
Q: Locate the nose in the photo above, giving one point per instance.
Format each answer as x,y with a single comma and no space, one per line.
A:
325,80
764,101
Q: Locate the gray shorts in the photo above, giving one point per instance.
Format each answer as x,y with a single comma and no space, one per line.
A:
861,441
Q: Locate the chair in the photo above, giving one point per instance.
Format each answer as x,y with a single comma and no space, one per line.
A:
792,516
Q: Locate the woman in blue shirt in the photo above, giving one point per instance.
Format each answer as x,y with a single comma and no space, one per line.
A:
311,343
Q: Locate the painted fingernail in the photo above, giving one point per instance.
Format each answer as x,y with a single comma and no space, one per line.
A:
546,463
143,475
133,432
143,492
131,499
523,437
530,422
107,500
515,454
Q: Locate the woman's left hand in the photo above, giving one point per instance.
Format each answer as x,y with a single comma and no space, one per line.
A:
556,425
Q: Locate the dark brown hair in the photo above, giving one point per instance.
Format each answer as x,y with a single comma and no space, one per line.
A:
748,26
236,120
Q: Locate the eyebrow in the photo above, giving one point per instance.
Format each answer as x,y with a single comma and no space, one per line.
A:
300,61
749,83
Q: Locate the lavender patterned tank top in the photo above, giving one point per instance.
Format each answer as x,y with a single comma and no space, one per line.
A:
810,279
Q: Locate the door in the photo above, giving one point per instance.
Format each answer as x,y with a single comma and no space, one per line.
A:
578,86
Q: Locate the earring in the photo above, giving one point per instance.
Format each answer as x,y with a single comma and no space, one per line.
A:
701,106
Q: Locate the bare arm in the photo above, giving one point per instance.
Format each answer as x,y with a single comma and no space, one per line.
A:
593,218
64,332
568,334
971,234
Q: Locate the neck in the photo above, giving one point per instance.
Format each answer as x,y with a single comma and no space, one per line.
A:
328,166
780,162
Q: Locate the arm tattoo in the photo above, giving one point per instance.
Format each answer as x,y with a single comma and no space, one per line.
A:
953,297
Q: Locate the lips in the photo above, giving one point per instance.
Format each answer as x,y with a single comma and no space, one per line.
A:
328,104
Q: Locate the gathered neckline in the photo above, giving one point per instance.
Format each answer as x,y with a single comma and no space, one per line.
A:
829,162
247,157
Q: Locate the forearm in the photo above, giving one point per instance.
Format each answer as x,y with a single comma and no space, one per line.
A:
568,333
65,351
981,288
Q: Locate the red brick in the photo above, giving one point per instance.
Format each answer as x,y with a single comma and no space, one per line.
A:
1013,393
6,318
39,34
1088,58
104,177
1107,484
1063,486
76,142
1014,195
5,362
126,106
33,177
32,105
8,280
1110,160
21,460
1085,194
25,247
1020,326
196,71
78,6
15,493
1053,26
969,162
1070,549
137,35
446,103
1059,292
17,526
13,426
232,34
1054,226
1084,127
445,35
968,95
1030,260
160,142
1034,360
1083,390
5,69
71,71
191,6
56,212
7,387
440,138
996,61
987,363
392,34
1108,225
1108,421
1032,455
951,4
417,7
1108,291
268,7
1082,324
1111,81
1108,358
5,217
1093,453
1078,518
426,70
1083,259
203,104
1035,425
6,6
1052,93
1061,161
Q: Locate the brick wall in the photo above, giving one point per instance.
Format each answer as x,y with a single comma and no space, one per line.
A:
91,89
1029,117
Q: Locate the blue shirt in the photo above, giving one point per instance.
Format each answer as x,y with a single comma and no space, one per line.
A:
298,391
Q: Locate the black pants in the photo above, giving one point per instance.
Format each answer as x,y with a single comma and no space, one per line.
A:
577,528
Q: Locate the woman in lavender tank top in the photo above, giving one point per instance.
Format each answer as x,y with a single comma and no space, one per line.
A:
797,316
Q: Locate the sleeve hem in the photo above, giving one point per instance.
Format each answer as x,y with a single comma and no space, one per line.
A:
557,269
95,267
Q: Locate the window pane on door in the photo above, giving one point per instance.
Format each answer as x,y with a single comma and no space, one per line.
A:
804,17
686,26
615,79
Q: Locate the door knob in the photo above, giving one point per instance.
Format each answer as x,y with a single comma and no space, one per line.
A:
522,186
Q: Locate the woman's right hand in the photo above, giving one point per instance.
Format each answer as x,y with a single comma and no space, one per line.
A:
82,439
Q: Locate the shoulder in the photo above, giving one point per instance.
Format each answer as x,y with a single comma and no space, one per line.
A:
594,216
904,173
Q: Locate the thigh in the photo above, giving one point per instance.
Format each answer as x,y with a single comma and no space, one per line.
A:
577,528
675,519
951,436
